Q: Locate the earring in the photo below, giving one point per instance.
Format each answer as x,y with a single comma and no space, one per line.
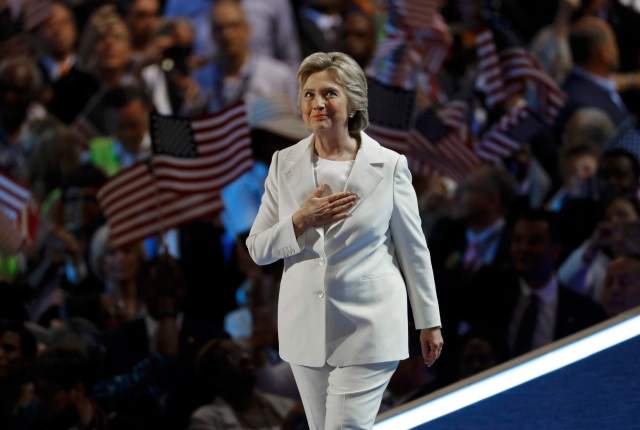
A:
352,114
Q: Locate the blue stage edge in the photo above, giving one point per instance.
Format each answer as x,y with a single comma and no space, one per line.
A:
590,380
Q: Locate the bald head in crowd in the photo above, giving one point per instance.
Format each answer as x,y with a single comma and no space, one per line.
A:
484,197
588,126
593,46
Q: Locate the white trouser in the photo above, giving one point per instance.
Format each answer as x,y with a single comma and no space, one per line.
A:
342,398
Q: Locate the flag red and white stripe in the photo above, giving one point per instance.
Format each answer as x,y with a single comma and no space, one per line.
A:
14,203
169,190
503,75
391,138
223,144
417,13
489,70
518,66
451,155
416,40
496,143
136,207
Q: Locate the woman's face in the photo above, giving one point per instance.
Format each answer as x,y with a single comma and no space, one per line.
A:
582,167
122,264
324,103
113,49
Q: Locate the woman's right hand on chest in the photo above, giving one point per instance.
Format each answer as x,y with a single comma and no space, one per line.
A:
321,208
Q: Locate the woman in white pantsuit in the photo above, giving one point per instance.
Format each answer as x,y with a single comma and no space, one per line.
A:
341,211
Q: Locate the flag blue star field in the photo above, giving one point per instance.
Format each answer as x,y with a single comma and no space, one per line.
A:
201,154
193,159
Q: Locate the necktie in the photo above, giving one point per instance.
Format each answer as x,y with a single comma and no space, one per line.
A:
471,258
527,326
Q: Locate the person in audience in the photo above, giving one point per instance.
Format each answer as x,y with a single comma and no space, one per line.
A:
589,84
475,236
54,152
161,287
229,375
172,89
621,290
132,107
18,349
238,74
476,355
618,174
63,383
70,87
588,126
20,87
358,38
143,19
119,269
579,164
320,23
273,30
525,306
585,269
105,49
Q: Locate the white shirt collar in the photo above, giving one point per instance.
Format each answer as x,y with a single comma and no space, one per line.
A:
546,294
605,83
482,235
54,67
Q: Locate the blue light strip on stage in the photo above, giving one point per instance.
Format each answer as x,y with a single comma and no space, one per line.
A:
519,374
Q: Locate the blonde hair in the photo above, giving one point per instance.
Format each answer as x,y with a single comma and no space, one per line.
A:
349,75
103,22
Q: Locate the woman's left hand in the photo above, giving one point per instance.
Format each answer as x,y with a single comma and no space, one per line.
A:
431,343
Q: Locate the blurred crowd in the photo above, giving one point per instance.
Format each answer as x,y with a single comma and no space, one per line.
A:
179,331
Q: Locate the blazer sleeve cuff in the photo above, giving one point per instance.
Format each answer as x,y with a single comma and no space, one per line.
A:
429,320
285,242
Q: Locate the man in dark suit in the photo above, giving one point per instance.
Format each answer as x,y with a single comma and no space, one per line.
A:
524,307
474,238
589,84
70,87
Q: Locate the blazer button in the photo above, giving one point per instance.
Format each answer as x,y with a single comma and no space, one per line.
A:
320,294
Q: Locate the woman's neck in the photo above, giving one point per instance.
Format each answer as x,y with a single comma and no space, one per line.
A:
336,146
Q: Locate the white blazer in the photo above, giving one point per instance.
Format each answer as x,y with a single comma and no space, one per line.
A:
342,299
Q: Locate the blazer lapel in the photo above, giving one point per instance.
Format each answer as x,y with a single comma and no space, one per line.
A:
299,171
365,176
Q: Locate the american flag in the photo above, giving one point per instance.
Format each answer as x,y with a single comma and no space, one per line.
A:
489,70
414,13
437,141
201,154
193,160
136,207
14,203
509,133
518,66
440,140
505,74
416,40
